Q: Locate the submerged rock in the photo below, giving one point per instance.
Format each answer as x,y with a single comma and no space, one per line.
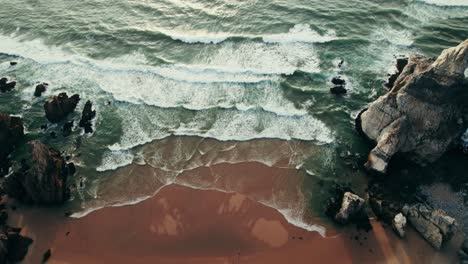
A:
399,224
339,89
11,131
434,225
59,107
6,86
423,114
87,116
43,178
40,88
67,129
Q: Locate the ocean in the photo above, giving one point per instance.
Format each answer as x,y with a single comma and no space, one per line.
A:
182,85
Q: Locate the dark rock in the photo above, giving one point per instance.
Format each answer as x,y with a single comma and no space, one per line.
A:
11,131
43,180
423,115
13,63
338,81
59,107
3,217
86,117
339,89
17,247
67,129
340,63
40,89
400,66
46,256
53,134
6,86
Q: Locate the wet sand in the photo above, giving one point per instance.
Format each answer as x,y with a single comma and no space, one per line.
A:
181,224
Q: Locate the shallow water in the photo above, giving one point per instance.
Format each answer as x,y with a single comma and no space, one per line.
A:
251,76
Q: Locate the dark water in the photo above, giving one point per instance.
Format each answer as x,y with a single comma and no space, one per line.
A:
235,71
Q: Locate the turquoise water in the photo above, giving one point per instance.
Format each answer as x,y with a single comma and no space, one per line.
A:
235,71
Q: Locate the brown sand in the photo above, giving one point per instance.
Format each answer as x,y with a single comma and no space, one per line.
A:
185,225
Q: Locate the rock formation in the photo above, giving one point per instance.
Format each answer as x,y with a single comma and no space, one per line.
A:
40,88
399,224
43,178
339,85
400,65
86,117
6,86
345,207
11,131
434,225
424,112
59,107
350,206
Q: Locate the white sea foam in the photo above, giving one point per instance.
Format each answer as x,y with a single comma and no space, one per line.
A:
144,125
299,33
446,2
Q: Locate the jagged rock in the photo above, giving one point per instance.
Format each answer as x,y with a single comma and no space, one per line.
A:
59,107
13,63
11,131
400,65
40,88
423,114
399,224
350,206
67,129
43,178
86,117
6,86
434,225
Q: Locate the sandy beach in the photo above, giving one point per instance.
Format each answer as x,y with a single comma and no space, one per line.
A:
185,225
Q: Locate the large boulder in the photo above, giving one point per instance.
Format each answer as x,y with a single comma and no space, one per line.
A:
423,114
434,225
350,206
11,131
43,178
59,107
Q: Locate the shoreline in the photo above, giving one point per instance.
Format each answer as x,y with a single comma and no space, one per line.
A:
176,225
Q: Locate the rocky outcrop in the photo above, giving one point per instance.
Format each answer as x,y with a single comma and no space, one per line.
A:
6,86
59,107
40,88
87,116
399,224
423,114
43,178
400,65
434,225
345,207
11,131
350,206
